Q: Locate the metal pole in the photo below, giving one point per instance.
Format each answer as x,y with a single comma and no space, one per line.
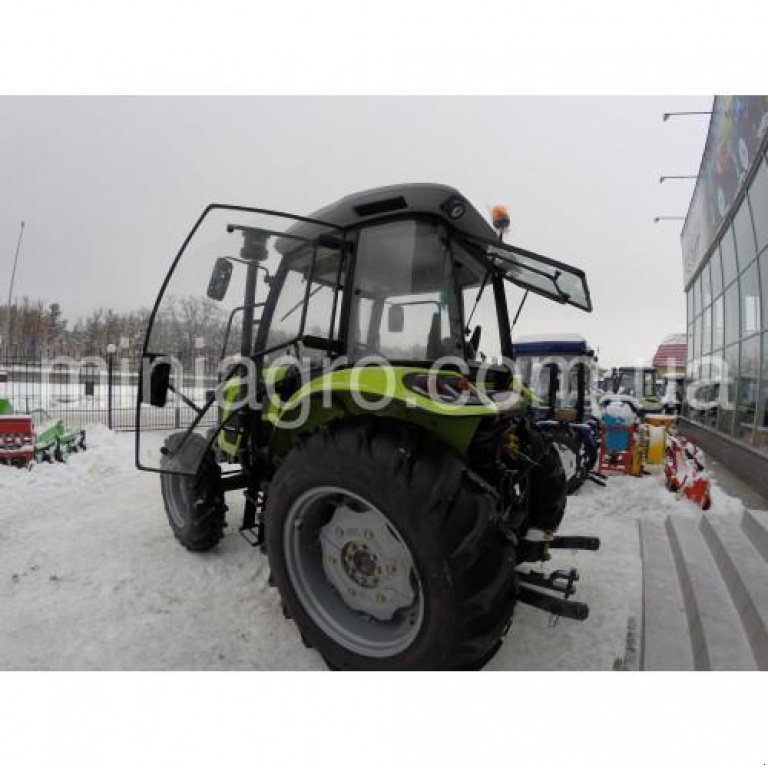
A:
10,289
110,367
662,179
667,115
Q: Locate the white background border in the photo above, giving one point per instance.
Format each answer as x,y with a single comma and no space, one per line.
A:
426,720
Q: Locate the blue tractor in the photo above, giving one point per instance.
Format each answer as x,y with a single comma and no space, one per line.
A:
559,371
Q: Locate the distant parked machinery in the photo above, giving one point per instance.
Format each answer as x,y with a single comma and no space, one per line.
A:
560,371
29,437
638,382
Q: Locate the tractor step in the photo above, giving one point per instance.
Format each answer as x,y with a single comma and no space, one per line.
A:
253,535
252,529
559,606
575,542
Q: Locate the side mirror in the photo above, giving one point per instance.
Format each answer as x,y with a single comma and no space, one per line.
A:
220,277
159,378
396,318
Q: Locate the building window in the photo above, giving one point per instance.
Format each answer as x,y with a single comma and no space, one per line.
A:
758,198
761,427
716,268
745,236
750,301
689,299
706,287
732,326
718,326
763,261
749,378
689,343
697,338
727,389
706,331
728,252
696,296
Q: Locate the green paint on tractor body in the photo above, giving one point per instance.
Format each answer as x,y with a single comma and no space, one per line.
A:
357,391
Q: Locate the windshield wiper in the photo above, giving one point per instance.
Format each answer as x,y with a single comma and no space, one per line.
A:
560,292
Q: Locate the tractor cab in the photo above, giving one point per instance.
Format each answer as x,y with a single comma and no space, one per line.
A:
560,371
638,382
259,303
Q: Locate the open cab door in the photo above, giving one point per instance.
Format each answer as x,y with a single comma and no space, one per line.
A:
244,288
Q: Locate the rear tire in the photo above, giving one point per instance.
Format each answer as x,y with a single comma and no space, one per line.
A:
194,504
440,522
549,491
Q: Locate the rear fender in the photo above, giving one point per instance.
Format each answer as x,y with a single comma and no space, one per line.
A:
380,391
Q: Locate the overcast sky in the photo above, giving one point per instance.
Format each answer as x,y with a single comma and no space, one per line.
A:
109,187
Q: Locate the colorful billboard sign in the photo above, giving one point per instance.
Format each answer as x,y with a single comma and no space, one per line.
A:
736,130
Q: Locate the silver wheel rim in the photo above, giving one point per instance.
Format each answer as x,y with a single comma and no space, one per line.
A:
353,572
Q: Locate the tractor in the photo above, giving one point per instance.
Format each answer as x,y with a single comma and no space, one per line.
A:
560,370
638,382
351,374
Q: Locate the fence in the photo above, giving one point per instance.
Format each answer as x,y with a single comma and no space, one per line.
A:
90,391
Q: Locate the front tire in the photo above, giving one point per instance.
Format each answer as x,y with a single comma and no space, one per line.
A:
386,552
194,504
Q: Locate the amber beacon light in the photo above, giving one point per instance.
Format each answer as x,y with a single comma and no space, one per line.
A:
500,217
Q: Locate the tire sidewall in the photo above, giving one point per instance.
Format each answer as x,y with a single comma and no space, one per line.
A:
386,491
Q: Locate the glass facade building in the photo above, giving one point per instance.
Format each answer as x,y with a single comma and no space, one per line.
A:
725,248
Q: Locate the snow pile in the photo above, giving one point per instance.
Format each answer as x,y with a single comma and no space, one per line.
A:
91,577
105,454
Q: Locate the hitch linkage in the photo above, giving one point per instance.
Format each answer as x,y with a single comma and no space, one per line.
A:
553,581
598,478
557,581
571,609
575,542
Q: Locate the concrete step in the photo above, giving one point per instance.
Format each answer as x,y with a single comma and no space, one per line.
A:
665,640
717,635
755,526
745,572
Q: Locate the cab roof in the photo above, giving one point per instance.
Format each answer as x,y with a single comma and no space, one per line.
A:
542,345
399,199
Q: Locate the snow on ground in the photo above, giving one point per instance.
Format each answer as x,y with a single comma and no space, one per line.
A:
92,578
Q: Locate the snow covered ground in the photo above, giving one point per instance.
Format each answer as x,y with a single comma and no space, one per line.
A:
91,577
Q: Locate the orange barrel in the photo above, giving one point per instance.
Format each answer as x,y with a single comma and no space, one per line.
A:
656,443
660,420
